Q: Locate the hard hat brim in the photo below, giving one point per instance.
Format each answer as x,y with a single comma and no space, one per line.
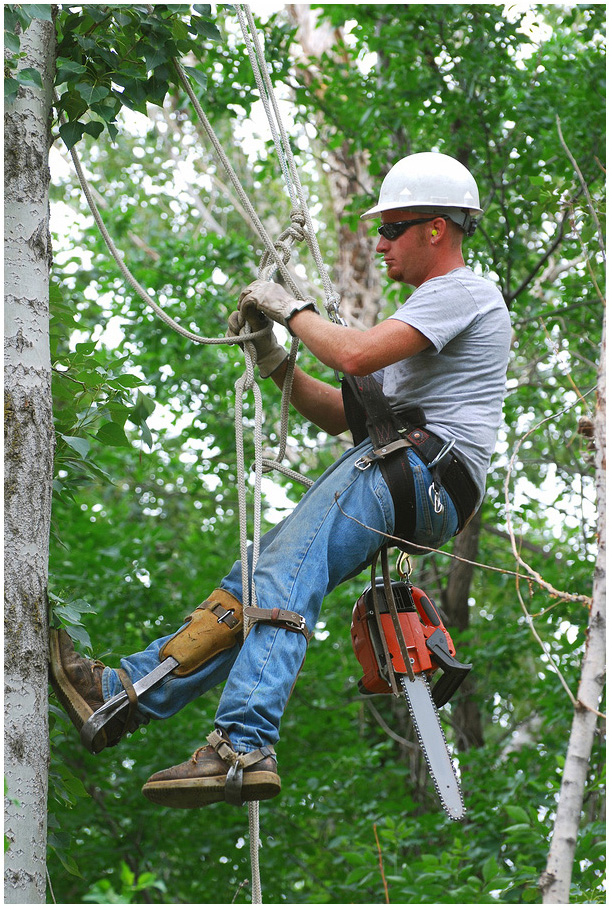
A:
416,207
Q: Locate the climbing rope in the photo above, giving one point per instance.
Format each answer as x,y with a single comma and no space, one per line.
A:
275,258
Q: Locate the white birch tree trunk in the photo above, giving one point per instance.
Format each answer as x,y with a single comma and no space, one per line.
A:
556,880
28,471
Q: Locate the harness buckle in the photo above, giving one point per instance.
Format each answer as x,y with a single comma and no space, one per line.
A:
223,617
363,463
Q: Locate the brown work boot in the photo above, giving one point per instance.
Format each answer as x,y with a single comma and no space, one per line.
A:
77,682
204,778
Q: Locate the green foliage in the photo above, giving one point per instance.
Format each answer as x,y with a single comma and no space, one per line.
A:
145,512
102,892
110,57
17,18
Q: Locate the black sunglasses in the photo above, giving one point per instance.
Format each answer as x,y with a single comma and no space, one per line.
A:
395,229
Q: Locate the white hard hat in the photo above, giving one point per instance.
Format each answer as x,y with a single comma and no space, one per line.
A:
430,182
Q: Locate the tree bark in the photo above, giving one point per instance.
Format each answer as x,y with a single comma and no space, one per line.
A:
556,879
467,719
356,273
29,445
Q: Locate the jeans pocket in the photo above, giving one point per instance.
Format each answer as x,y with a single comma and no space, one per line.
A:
432,528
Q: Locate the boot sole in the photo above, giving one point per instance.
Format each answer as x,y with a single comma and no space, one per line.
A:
203,791
77,709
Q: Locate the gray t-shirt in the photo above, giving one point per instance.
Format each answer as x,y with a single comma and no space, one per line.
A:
460,380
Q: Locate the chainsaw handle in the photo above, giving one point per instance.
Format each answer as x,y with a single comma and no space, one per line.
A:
426,608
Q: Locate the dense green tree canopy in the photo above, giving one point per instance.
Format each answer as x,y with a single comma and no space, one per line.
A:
145,518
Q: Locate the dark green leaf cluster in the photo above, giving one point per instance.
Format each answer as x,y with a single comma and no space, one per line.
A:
17,18
111,57
93,402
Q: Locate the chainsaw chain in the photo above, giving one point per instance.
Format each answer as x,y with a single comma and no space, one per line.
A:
427,759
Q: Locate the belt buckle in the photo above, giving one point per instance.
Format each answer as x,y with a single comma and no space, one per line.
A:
363,463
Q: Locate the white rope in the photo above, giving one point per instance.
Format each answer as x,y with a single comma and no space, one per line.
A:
277,255
285,152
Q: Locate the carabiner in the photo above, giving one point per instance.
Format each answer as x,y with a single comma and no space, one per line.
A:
435,499
399,566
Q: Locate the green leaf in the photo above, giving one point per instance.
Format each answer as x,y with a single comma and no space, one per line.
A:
200,77
29,76
111,434
94,128
91,93
126,381
11,88
490,868
78,443
11,42
71,132
40,11
518,813
207,29
146,434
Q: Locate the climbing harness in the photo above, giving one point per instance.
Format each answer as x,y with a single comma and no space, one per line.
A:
369,413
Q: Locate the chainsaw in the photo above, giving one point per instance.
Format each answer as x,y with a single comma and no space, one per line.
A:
400,641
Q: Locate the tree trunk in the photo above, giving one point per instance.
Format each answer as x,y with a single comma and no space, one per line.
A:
556,880
29,443
356,273
467,720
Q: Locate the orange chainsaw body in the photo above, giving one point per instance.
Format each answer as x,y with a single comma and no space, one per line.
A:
418,620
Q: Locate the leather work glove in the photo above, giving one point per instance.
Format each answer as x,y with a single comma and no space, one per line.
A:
274,301
269,354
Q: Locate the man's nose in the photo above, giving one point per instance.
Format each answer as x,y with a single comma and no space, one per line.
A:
382,245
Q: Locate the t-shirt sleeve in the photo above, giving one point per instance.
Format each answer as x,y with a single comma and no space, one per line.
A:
440,309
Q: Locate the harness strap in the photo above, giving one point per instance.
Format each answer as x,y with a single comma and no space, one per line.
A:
368,412
284,619
238,762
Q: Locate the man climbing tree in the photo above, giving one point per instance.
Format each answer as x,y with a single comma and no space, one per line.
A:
440,361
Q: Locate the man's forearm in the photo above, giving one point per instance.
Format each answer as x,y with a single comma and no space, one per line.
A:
357,351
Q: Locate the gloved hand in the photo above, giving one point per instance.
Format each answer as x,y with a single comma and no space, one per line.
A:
273,300
269,354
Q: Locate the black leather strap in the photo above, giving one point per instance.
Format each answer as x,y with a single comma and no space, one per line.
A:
453,476
368,412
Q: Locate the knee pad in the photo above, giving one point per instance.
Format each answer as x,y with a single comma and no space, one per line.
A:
213,627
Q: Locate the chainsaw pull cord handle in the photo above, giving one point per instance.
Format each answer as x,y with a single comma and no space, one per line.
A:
394,614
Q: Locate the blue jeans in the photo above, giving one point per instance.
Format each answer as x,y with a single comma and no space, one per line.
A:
301,560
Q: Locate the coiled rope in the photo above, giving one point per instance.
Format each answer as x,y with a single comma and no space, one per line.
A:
275,258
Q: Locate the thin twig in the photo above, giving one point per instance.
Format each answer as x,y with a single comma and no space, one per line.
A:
50,885
380,863
411,747
584,186
572,598
575,598
544,646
